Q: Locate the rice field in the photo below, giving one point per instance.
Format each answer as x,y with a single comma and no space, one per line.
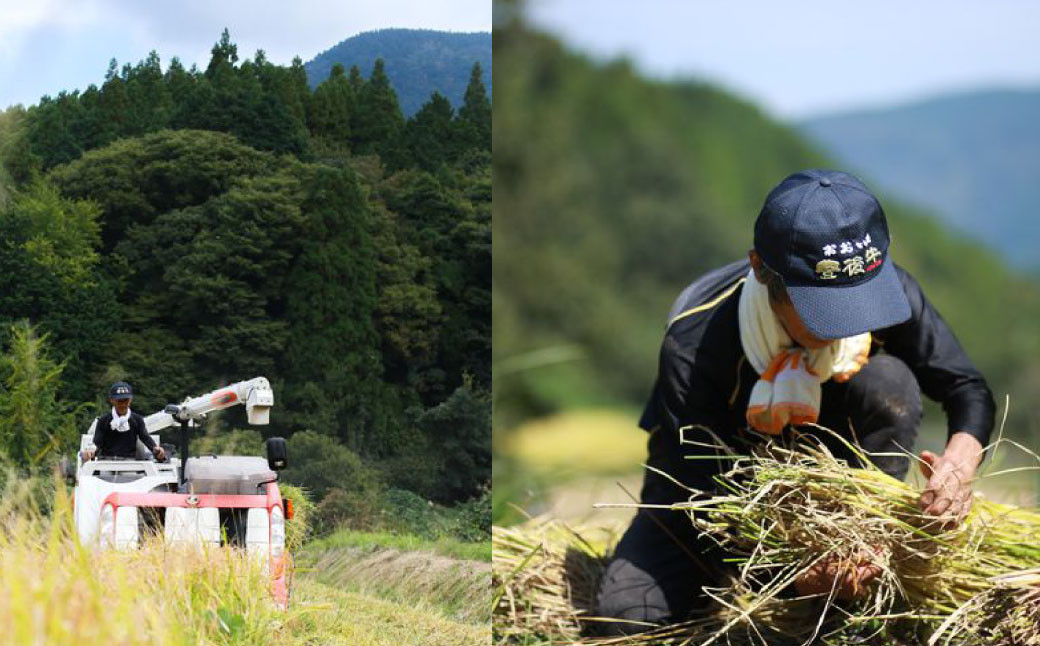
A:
57,592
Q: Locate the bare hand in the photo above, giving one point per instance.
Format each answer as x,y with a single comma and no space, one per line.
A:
848,579
947,496
87,455
160,453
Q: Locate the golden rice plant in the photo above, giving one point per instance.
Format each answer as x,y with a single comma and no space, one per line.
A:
57,591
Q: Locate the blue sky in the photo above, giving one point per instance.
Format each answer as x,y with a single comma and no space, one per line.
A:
803,58
51,45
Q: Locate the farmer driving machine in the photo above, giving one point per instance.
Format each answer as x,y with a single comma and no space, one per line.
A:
205,500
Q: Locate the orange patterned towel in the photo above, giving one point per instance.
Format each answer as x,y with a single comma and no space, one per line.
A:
788,390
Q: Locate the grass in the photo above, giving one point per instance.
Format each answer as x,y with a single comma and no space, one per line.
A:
331,616
407,570
443,546
559,445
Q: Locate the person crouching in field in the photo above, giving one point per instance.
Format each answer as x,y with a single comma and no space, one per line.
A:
817,325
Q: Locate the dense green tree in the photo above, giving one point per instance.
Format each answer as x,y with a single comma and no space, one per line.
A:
149,97
429,139
18,163
408,312
90,130
135,180
475,113
181,85
330,108
249,101
357,82
233,442
35,418
50,274
459,432
223,262
455,232
293,89
53,129
378,118
223,56
319,463
113,105
331,300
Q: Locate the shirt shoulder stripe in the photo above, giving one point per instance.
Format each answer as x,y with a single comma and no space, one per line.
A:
707,306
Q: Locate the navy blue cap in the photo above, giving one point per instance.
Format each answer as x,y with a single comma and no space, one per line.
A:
826,235
120,390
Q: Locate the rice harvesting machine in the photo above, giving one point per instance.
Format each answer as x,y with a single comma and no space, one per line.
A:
204,500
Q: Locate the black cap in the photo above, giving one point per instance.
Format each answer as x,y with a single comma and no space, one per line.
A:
826,235
120,390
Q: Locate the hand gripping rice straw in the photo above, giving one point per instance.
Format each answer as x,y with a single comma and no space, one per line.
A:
785,508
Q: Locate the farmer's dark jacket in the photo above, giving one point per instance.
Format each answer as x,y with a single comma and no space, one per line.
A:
123,445
704,379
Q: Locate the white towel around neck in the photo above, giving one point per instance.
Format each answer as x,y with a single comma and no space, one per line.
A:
794,392
120,424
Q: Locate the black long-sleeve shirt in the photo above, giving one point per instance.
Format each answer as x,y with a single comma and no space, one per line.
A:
704,378
123,445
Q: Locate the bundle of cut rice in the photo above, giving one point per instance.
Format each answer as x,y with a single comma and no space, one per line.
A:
786,509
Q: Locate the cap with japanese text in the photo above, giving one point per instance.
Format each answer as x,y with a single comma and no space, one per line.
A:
826,235
120,390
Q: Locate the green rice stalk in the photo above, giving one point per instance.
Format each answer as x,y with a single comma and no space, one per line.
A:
787,508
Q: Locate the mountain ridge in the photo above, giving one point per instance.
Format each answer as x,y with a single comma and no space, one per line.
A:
971,157
418,62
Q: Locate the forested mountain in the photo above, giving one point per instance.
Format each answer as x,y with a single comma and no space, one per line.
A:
971,158
184,228
419,62
614,191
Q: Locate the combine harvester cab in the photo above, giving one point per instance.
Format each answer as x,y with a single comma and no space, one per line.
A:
211,501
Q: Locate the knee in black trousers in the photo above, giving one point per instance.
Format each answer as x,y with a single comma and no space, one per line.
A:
879,408
656,575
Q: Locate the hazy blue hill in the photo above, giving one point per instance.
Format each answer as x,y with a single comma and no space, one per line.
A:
418,62
972,158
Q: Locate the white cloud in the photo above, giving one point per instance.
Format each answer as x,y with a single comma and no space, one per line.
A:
20,19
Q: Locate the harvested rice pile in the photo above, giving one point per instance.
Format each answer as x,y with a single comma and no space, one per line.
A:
1007,615
789,508
545,578
785,509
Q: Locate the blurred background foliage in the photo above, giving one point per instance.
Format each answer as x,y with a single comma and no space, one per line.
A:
614,192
